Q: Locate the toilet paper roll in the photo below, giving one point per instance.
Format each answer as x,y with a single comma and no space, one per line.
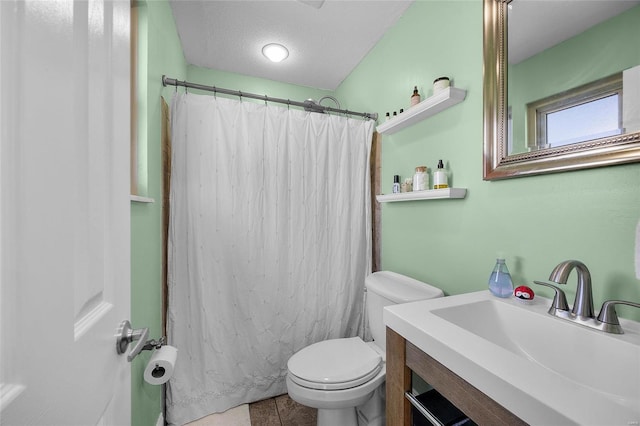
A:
160,367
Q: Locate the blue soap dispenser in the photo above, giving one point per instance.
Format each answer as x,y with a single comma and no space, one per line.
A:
500,283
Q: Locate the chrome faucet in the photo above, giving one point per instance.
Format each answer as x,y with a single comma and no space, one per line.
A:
583,303
609,318
582,311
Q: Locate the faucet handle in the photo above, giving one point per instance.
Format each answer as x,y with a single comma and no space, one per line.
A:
559,299
608,316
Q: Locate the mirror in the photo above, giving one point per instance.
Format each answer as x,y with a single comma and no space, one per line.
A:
539,72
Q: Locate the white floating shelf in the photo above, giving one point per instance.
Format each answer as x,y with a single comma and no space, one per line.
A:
430,194
432,105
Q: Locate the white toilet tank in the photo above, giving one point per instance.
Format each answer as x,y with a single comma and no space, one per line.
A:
389,288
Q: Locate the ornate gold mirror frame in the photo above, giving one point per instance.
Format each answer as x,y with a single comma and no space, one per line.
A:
497,164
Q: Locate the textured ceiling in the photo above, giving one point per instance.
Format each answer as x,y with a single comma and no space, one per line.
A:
326,40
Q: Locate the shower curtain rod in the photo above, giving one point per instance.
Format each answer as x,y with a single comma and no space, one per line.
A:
308,105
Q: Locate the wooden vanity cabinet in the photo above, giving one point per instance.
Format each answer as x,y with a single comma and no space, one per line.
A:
403,358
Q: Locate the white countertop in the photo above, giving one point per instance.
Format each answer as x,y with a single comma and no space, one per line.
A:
532,391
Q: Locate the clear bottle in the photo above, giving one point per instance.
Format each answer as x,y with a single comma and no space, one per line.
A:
387,117
420,179
415,97
500,283
396,184
440,177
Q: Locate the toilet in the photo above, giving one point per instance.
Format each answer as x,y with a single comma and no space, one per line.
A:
344,378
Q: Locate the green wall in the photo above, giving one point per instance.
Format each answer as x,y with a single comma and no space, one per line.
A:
258,86
537,222
160,53
573,63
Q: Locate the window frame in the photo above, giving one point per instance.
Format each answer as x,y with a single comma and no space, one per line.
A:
538,111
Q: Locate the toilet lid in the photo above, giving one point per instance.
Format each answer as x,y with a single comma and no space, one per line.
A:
334,364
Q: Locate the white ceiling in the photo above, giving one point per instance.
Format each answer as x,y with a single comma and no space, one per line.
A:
326,39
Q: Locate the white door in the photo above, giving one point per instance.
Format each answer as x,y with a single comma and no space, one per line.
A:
64,211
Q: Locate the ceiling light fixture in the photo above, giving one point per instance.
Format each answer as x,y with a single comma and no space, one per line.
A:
275,52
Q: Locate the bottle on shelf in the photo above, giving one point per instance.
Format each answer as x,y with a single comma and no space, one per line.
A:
415,97
440,180
396,184
500,283
387,117
420,179
440,84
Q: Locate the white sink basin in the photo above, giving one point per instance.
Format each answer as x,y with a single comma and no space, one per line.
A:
543,369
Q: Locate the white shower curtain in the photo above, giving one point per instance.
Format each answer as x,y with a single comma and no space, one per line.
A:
269,245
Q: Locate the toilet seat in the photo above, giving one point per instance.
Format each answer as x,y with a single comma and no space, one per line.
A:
335,364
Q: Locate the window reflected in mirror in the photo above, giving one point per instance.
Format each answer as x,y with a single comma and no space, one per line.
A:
585,113
553,70
561,85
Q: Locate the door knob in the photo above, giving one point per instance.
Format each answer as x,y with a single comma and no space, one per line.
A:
126,335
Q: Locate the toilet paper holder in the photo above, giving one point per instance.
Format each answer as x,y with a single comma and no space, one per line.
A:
126,335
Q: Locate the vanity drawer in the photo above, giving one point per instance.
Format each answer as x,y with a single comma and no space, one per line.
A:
432,409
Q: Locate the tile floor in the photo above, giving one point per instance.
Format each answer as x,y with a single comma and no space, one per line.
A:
281,411
278,411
